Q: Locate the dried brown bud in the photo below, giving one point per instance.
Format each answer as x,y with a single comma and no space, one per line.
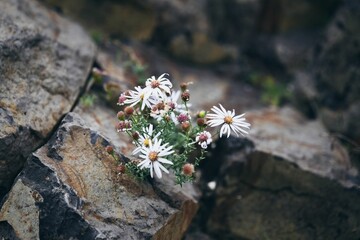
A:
121,168
135,135
183,86
188,169
129,110
109,149
201,122
123,126
167,118
185,126
185,96
160,106
121,115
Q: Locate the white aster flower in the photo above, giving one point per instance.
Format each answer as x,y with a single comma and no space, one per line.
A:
228,120
139,95
204,139
154,157
145,139
159,87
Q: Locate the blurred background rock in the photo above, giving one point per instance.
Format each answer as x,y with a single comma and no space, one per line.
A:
309,47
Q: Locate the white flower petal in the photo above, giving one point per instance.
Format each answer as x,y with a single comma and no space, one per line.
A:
218,111
136,150
222,130
222,108
157,169
163,160
143,164
228,130
203,145
151,171
214,123
235,130
239,116
163,168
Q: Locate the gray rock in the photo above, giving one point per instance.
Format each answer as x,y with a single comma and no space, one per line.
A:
234,21
286,52
343,121
44,63
333,89
288,180
335,66
70,189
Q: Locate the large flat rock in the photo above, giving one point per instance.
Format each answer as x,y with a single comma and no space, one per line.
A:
44,63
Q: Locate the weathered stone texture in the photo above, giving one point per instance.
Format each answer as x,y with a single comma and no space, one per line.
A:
82,195
44,63
288,180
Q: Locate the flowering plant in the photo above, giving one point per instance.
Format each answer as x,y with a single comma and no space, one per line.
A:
164,132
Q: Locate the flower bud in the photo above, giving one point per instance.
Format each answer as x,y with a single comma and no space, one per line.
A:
201,114
121,168
123,126
129,111
121,99
183,86
201,122
188,169
135,135
183,117
171,105
185,96
128,125
185,126
160,106
121,115
109,149
167,118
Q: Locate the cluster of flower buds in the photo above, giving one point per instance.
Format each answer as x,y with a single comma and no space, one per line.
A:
123,125
159,122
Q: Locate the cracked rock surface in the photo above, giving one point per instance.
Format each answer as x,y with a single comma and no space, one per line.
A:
70,190
44,63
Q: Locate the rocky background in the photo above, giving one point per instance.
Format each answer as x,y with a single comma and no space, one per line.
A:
293,66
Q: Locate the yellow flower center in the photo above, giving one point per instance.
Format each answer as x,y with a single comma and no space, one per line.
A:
147,142
228,119
142,96
153,156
